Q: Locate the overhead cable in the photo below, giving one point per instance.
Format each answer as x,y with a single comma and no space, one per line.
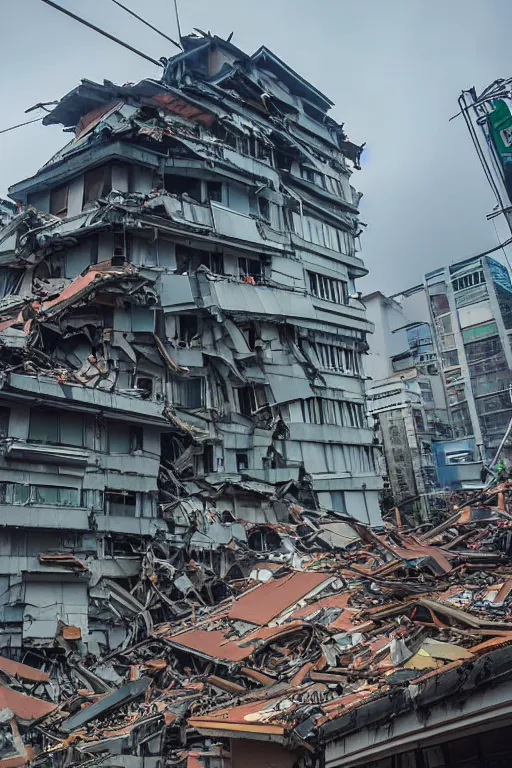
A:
20,125
143,21
101,32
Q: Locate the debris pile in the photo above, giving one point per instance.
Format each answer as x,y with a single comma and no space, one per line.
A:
354,624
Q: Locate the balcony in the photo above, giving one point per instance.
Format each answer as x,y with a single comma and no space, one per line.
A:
50,454
35,387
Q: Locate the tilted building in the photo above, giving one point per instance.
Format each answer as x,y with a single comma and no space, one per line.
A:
405,396
181,340
471,306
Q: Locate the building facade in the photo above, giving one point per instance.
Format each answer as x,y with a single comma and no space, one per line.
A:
471,308
405,395
181,339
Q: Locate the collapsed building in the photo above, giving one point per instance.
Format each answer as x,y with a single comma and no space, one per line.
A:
375,647
181,346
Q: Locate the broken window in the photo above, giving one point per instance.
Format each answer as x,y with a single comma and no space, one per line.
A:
97,183
145,385
190,393
250,268
124,438
186,328
251,398
53,427
249,332
184,185
59,201
214,191
120,503
242,462
120,248
328,288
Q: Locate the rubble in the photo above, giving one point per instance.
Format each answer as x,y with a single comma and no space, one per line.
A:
355,624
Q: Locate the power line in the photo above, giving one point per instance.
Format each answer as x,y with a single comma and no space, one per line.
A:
20,125
155,29
101,32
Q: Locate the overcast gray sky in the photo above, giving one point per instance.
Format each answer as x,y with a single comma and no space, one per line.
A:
394,69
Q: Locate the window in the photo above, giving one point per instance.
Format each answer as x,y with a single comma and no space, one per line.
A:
214,261
59,201
490,383
336,358
120,503
467,281
250,399
4,422
426,391
450,358
461,422
124,438
328,288
310,174
54,427
145,385
418,420
186,328
264,208
190,393
184,185
439,303
479,331
60,497
495,422
338,501
334,186
97,183
497,402
242,462
321,233
317,410
16,493
250,145
250,268
214,191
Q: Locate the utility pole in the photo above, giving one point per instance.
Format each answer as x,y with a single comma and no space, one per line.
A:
489,122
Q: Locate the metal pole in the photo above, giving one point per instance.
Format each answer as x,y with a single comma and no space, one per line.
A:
177,19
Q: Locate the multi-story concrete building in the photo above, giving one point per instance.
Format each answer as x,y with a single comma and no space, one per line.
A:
181,340
405,395
471,307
